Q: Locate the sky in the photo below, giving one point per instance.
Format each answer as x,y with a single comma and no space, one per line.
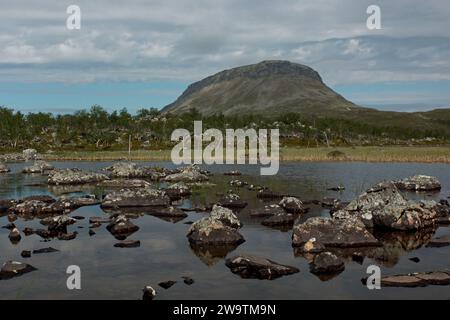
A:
141,54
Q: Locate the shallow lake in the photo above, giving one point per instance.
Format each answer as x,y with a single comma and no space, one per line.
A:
108,272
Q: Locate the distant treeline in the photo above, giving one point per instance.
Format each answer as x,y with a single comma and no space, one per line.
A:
97,128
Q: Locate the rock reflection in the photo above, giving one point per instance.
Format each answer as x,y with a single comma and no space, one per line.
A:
210,255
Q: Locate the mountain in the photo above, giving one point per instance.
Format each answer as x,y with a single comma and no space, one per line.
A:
270,88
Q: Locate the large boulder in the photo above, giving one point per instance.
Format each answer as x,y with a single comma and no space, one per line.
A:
188,174
4,168
38,167
209,231
74,177
327,262
248,266
329,232
419,183
142,197
384,206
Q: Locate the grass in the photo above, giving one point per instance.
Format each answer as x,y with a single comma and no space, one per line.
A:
368,154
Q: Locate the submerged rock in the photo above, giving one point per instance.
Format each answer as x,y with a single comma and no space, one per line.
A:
38,167
280,219
177,191
168,212
248,266
188,174
416,279
269,194
4,168
13,269
128,244
142,197
419,183
349,232
188,280
267,211
74,176
45,250
166,284
327,262
292,205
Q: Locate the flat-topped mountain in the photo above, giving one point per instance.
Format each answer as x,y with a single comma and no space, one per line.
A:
267,87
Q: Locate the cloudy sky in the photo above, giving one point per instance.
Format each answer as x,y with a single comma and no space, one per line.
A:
139,53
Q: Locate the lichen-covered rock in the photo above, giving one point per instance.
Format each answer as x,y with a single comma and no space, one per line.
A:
267,211
177,191
33,208
327,262
129,170
209,231
188,174
124,183
38,167
280,219
72,203
226,216
333,233
30,154
292,205
142,197
4,168
312,246
58,223
13,269
74,176
248,266
419,183
232,201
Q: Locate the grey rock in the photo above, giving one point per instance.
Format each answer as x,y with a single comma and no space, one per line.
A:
248,266
419,183
141,197
74,177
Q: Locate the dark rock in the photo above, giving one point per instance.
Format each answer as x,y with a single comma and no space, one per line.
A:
42,198
327,262
67,236
143,197
45,250
38,167
415,259
91,232
148,293
188,174
267,211
9,226
281,219
209,231
25,254
177,191
74,177
121,227
187,280
4,168
268,194
128,244
58,223
99,220
13,269
166,284
334,233
256,267
12,217
232,173
338,188
312,246
358,257
232,201
14,235
169,212
329,202
292,205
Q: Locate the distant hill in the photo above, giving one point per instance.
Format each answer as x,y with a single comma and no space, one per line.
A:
277,87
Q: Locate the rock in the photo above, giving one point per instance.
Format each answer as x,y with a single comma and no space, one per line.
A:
232,173
5,204
267,211
327,262
74,177
25,254
128,170
67,236
419,183
439,242
43,198
9,226
268,194
415,259
209,231
313,246
237,183
4,168
142,197
169,212
148,293
99,220
329,202
187,280
338,188
128,183
12,217
91,232
188,174
281,219
226,216
333,233
292,205
58,223
30,154
78,217
121,227
14,235
72,203
128,244
38,167
383,206
232,201
45,250
13,269
177,191
418,279
248,266
166,284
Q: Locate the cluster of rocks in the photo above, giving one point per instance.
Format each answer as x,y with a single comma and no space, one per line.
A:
132,170
188,174
74,177
282,214
26,155
38,167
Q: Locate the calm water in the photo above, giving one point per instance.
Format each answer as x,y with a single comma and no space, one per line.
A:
165,254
